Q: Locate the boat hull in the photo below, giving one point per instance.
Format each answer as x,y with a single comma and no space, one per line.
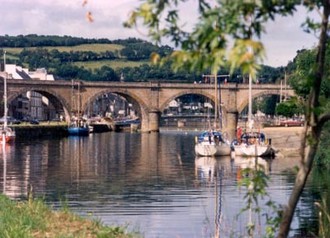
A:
245,150
78,131
212,149
9,135
211,143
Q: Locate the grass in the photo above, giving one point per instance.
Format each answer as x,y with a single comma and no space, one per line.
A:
34,219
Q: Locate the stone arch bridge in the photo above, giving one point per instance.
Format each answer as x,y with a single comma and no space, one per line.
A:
148,98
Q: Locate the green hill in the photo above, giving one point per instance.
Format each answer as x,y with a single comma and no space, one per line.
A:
86,59
118,63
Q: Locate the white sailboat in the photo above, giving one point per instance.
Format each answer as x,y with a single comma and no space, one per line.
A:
7,133
212,142
252,142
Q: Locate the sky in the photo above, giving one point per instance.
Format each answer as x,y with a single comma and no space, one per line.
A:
68,17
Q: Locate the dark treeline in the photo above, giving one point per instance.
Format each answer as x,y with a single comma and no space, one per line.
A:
34,40
62,63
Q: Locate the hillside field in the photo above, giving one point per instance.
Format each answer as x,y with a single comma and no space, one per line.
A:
97,48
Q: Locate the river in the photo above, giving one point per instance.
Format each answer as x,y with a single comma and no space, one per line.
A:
149,183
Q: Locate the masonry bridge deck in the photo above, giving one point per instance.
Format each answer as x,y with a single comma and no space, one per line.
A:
148,98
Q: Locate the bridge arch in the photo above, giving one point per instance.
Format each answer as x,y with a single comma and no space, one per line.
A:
182,93
141,108
255,94
208,95
130,97
61,105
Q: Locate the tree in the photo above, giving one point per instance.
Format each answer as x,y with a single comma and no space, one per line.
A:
289,108
300,75
207,47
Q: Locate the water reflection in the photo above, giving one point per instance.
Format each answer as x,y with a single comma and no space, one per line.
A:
224,174
151,182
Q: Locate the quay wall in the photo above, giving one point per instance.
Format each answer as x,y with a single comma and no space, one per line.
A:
40,131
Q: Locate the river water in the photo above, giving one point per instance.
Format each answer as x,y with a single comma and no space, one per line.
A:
149,183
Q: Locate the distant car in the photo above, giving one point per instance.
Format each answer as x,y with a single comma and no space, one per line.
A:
10,120
287,123
34,121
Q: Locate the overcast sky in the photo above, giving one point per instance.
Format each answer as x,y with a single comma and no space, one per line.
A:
67,17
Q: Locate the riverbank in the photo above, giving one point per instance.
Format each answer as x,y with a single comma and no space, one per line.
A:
285,139
34,219
51,129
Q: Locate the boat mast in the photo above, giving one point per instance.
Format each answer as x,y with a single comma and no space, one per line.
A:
281,92
250,103
78,100
72,100
220,112
5,91
285,92
215,101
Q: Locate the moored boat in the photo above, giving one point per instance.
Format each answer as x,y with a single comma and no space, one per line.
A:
78,125
126,124
253,144
211,143
8,134
78,128
78,131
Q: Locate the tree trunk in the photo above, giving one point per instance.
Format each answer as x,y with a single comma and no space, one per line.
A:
312,130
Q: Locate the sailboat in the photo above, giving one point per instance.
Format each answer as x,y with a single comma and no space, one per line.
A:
7,133
251,143
212,142
78,126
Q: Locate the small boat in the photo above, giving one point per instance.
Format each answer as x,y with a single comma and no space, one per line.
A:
78,128
8,134
126,124
211,143
253,144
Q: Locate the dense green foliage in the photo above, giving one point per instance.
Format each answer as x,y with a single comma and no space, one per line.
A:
291,107
34,40
300,78
323,154
301,75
